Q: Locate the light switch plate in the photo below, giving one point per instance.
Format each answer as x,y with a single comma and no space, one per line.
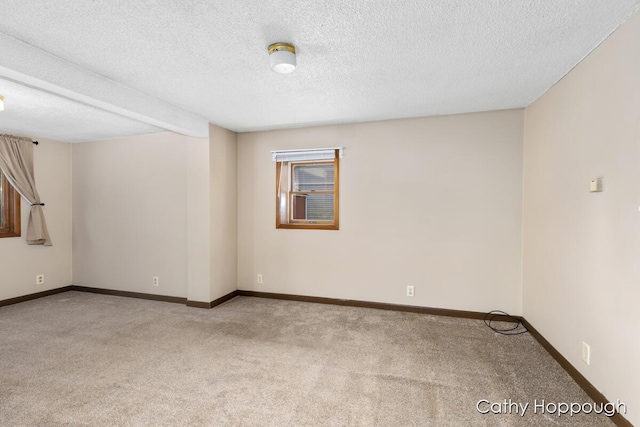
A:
595,186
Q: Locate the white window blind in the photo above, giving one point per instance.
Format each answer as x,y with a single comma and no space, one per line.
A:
313,187
312,177
307,154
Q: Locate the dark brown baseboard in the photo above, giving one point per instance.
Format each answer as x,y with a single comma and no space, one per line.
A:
589,388
34,296
368,304
224,298
153,297
128,294
198,304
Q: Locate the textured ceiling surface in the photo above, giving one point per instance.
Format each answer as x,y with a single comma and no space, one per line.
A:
37,114
358,60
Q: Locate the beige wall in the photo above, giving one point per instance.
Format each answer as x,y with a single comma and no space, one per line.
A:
582,249
224,199
198,220
130,213
431,202
20,263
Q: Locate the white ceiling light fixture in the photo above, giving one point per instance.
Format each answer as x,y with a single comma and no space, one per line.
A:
1,103
282,57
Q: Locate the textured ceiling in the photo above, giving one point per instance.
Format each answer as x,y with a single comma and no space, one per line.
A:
358,60
36,114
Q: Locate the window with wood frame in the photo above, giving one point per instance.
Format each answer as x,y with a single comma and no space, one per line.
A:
307,188
9,209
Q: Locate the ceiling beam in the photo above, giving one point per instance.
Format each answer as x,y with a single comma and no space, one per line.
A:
27,65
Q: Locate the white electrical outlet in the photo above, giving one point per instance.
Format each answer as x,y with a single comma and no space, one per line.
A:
260,279
40,279
586,353
156,281
410,292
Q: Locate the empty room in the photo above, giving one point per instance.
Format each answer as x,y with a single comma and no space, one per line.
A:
331,213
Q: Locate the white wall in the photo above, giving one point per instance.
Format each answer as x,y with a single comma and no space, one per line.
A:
224,214
581,249
130,213
430,202
19,262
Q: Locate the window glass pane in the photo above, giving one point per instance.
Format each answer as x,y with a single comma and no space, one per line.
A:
312,207
318,177
9,210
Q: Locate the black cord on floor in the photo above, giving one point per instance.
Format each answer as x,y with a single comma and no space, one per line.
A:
491,316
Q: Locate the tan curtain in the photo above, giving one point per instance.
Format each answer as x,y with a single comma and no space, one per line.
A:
16,162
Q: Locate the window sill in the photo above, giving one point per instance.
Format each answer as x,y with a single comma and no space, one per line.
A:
309,226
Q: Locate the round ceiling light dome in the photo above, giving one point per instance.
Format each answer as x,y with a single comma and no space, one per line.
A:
282,57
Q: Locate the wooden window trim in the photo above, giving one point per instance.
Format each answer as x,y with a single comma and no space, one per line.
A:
10,210
303,224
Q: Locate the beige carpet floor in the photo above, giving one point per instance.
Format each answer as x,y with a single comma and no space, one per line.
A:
84,359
